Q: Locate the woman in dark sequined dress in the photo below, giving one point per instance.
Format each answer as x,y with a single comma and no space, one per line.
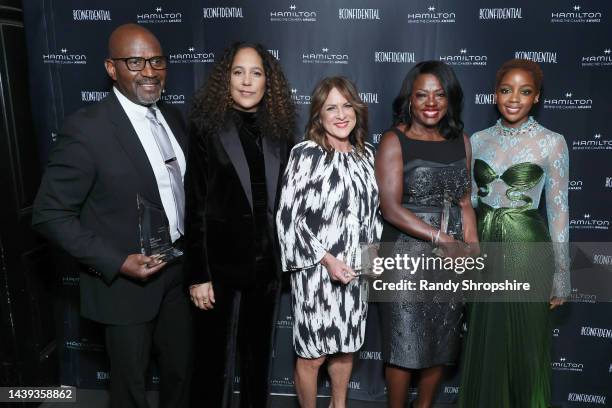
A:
422,166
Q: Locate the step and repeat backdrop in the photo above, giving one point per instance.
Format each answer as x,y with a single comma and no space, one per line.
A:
374,43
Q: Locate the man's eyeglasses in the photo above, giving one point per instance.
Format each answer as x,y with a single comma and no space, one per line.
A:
138,63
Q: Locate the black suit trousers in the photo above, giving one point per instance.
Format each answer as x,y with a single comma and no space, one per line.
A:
168,336
235,337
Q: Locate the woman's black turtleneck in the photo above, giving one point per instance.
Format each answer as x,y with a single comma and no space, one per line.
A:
250,135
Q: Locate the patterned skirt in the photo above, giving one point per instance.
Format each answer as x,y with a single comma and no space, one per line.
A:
328,317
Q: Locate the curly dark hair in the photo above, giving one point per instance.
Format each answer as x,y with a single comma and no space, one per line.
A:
529,66
451,125
212,101
314,128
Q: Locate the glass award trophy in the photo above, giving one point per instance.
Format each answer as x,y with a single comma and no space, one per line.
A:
365,268
154,231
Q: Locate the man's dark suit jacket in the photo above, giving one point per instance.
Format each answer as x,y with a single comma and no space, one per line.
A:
219,224
86,205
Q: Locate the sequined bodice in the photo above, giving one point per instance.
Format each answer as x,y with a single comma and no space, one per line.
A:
428,183
433,171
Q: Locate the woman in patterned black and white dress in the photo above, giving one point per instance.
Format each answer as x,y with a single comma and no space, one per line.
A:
328,206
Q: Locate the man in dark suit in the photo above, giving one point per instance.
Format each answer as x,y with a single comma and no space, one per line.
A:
105,155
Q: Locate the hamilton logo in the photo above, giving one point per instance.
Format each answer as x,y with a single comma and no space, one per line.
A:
464,58
173,99
64,57
159,17
576,15
431,16
564,365
325,57
575,185
587,222
298,98
599,60
192,56
293,15
596,143
569,101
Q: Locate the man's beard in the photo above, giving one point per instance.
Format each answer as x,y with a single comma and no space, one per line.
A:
148,99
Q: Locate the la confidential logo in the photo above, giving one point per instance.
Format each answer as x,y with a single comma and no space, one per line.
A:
576,15
596,143
299,98
93,96
453,390
64,57
587,222
352,385
275,54
485,99
601,60
568,102
282,382
293,15
398,57
549,57
376,138
359,14
159,16
596,332
464,58
369,97
91,15
370,355
102,375
431,15
192,56
325,56
508,13
591,398
602,259
608,182
222,12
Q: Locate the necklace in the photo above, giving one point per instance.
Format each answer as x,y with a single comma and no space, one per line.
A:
526,127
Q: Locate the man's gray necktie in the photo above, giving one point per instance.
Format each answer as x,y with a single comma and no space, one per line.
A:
176,179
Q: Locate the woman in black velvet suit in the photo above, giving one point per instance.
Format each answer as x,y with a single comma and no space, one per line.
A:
242,124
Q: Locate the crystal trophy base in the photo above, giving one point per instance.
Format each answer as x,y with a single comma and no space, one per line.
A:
154,231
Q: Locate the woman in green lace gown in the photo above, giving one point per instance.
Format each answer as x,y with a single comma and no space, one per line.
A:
507,352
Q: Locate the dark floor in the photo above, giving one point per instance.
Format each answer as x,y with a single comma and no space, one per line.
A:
99,399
